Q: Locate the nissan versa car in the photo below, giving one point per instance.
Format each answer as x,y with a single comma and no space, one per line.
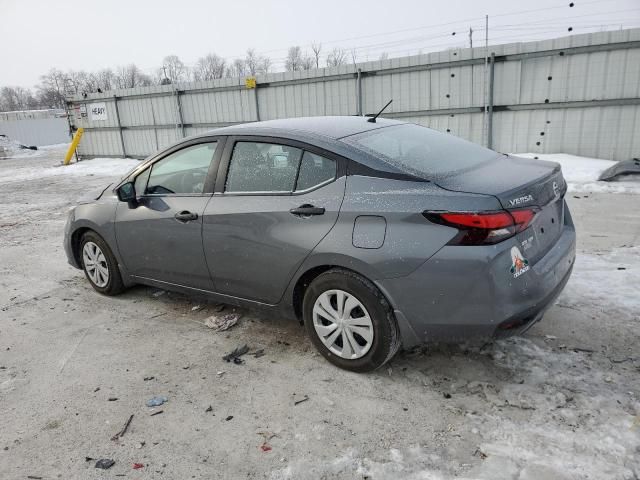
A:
374,233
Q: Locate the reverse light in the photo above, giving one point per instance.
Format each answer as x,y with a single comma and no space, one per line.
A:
484,228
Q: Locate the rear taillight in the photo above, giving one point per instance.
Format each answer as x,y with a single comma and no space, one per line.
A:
484,228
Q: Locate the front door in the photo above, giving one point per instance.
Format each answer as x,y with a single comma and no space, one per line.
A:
160,238
275,205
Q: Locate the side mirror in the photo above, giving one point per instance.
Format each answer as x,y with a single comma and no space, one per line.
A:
127,193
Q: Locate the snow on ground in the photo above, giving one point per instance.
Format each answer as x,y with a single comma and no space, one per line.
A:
107,167
581,173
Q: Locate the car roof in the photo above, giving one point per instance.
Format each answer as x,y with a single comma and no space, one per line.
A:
333,127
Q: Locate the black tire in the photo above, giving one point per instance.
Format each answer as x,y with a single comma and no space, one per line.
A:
114,284
386,337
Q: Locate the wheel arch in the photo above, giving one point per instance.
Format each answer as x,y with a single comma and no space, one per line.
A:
408,335
316,266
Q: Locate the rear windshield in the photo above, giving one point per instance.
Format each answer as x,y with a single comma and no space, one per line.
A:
421,151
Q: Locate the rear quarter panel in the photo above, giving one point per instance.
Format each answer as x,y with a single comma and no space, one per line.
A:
409,239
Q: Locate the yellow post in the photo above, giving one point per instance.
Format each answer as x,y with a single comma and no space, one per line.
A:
74,145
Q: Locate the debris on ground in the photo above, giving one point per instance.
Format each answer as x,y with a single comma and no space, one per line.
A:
156,413
220,373
209,409
34,477
123,430
138,466
196,308
235,355
266,436
303,399
112,399
258,353
230,417
146,379
156,401
221,323
159,293
105,463
218,307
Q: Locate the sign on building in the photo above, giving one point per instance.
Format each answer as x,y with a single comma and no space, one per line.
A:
98,112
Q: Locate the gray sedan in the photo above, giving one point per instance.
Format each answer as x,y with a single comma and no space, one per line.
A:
373,234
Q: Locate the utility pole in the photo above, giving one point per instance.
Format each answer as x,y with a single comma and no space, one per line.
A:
485,83
470,37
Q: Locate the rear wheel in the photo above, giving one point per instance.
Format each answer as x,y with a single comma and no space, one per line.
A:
99,265
349,321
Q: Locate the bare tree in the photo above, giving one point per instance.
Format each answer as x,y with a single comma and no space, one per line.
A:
252,62
106,79
51,89
130,76
17,98
209,67
336,58
308,62
265,65
8,99
384,56
174,69
354,56
316,48
294,59
236,69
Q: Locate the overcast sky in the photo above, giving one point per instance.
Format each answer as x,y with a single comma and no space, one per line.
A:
37,35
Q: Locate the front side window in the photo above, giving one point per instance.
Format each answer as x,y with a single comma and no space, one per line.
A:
263,167
182,172
422,151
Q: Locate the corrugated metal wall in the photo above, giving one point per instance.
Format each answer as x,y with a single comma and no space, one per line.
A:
35,127
577,94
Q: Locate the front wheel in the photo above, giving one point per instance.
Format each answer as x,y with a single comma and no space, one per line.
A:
349,321
99,265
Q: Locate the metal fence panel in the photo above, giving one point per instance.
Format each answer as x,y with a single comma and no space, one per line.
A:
578,94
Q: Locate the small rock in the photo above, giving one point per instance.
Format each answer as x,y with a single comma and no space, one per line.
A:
105,463
156,401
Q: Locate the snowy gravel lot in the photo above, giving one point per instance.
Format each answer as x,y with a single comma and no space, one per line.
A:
561,403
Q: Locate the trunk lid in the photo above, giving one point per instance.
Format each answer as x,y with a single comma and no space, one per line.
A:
520,183
516,182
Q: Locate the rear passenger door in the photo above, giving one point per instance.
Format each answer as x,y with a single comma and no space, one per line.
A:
274,201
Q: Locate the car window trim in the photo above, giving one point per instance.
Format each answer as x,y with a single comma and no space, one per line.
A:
223,169
209,182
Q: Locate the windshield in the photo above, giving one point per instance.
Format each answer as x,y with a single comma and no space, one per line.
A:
420,150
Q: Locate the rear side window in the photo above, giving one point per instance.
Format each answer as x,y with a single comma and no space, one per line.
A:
315,170
421,151
263,167
274,168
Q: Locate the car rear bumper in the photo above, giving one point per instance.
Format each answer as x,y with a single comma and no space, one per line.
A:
468,292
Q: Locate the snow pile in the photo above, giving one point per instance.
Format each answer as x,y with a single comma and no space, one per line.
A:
106,167
13,149
581,173
611,279
577,421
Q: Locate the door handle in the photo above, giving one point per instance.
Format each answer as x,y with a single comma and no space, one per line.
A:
186,216
307,210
